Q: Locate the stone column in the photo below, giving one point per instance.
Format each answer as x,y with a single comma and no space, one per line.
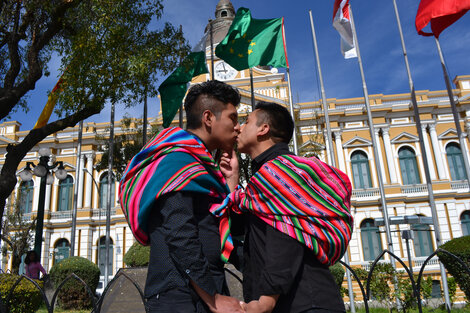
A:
89,180
389,155
428,154
437,152
47,201
80,182
339,151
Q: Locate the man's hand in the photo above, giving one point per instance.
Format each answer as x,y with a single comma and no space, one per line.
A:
229,168
225,304
265,304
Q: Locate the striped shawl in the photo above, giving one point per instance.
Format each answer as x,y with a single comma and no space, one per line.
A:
304,198
174,160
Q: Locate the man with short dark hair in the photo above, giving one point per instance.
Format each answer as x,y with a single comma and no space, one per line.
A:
167,193
298,219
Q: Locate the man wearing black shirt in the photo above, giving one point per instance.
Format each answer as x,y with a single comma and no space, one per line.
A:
186,273
280,274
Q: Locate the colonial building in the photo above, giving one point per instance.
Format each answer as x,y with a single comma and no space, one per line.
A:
400,159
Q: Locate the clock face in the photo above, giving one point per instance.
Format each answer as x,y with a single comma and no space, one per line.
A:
223,71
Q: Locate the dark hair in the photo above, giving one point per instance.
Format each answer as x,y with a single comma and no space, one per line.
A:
200,98
28,256
278,118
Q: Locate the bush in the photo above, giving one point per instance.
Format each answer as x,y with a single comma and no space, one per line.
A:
460,247
73,294
137,255
26,298
338,273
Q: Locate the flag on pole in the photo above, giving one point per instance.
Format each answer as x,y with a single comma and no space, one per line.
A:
251,42
50,104
173,89
342,23
441,14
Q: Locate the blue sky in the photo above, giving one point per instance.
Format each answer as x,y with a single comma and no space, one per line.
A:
378,38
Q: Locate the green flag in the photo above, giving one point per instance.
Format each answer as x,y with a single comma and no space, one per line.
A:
251,42
173,89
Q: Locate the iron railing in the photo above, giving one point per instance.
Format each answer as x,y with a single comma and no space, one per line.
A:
97,302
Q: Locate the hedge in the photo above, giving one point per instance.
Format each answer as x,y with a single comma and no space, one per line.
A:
137,255
26,297
460,247
73,295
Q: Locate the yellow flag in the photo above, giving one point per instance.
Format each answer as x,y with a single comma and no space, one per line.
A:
51,102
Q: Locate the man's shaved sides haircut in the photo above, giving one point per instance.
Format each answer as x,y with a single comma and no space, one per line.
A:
201,98
278,118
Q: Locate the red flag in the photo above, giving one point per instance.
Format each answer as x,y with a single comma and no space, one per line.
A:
441,14
342,23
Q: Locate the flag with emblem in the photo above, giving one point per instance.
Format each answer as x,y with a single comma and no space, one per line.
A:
251,42
50,104
173,89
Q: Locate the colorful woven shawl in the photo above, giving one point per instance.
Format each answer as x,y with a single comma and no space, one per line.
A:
304,198
187,166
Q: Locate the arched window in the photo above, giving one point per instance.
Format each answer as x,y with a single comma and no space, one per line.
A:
26,196
408,166
65,194
371,241
104,190
465,220
422,240
455,160
361,170
61,250
102,255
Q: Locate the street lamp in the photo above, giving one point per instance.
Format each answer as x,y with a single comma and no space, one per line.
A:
42,169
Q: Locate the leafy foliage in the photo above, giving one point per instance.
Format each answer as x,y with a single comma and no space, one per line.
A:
460,247
26,298
17,233
73,294
126,145
137,255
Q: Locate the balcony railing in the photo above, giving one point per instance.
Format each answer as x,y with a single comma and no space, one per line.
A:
459,185
61,215
414,189
365,193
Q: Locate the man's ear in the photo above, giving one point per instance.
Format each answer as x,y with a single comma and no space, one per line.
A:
207,118
263,129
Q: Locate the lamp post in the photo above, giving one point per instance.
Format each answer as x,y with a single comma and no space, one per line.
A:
42,169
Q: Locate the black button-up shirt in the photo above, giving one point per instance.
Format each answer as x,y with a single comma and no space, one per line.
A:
184,245
275,263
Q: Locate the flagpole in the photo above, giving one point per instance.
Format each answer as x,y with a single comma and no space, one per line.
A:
437,229
374,143
330,146
212,50
291,106
252,90
144,130
454,110
108,196
75,194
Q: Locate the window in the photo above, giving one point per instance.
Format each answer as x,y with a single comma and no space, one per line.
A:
26,196
455,160
371,241
61,250
104,190
465,220
408,166
361,170
422,240
102,255
65,194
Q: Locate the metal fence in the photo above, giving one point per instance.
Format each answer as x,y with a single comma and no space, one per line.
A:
123,279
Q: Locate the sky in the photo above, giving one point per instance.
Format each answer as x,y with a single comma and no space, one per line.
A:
378,39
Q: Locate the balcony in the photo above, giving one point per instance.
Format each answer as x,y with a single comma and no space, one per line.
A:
414,189
459,186
362,194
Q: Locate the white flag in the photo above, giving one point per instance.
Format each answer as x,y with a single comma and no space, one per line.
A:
342,24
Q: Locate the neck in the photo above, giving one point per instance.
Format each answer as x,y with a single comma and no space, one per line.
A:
204,136
261,147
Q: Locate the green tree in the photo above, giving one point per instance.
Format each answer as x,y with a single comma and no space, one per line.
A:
110,51
17,233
